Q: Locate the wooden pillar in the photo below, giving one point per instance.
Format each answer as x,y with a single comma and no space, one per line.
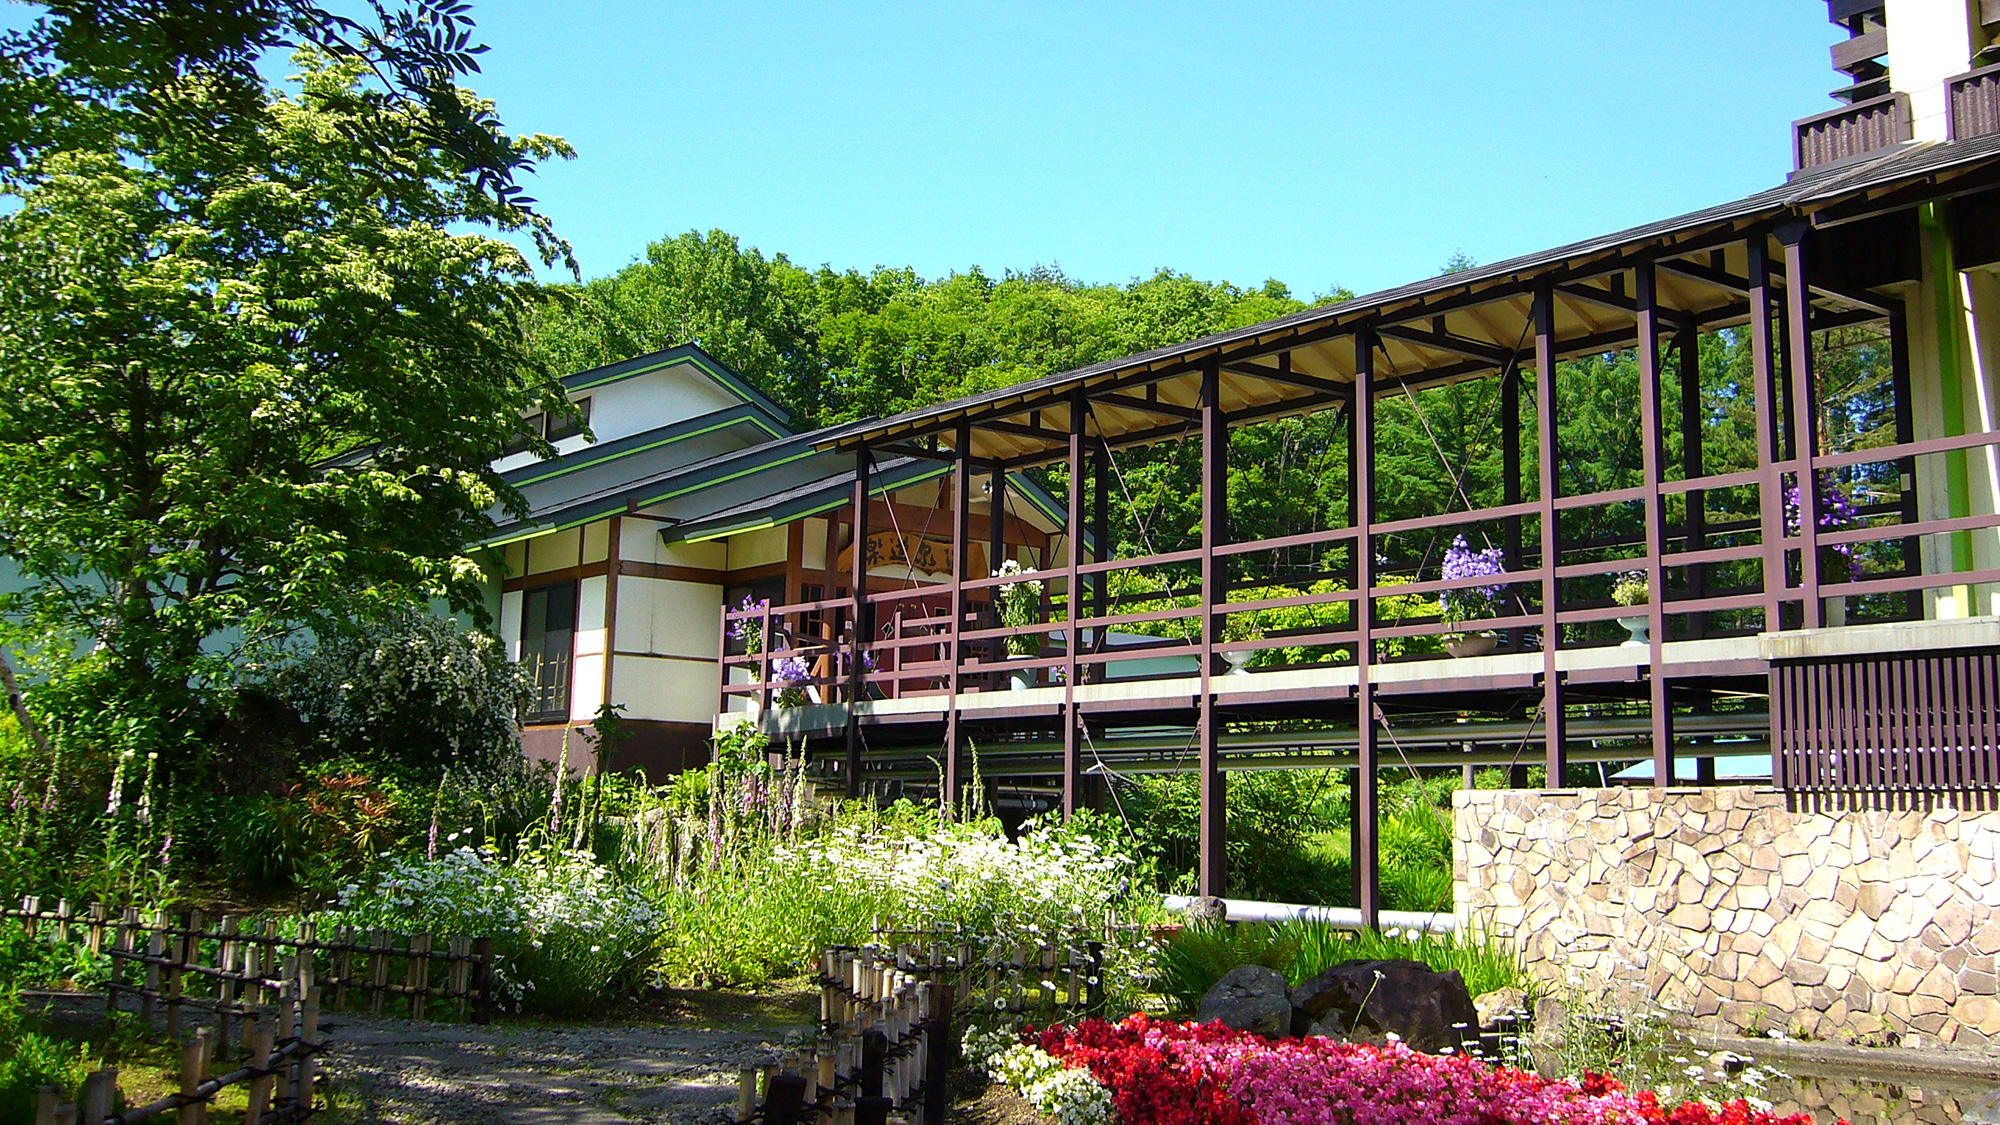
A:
1554,724
1214,514
1072,788
1365,852
862,620
961,545
1771,488
1799,392
1100,530
1510,474
1687,349
996,549
612,566
1652,458
1906,468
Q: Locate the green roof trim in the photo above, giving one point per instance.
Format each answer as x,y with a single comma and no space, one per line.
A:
612,451
691,354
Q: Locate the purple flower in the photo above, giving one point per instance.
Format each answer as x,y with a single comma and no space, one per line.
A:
791,670
1835,511
749,629
1461,561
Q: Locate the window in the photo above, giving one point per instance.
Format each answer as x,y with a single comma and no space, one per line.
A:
548,628
540,425
560,428
764,589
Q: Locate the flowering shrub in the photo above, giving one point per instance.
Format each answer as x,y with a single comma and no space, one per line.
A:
1020,607
416,690
1835,512
566,935
1159,1073
1461,561
789,675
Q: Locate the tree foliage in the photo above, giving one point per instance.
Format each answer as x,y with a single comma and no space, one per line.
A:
257,348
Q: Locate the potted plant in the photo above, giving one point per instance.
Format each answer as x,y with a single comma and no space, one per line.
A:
1020,604
1241,627
1633,590
1471,603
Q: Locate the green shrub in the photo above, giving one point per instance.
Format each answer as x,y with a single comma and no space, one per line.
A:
1201,955
43,962
29,1060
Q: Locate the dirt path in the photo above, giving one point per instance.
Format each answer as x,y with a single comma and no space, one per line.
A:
675,1061
402,1072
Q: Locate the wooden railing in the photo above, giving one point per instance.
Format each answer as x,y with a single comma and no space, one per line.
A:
1851,130
912,653
1975,103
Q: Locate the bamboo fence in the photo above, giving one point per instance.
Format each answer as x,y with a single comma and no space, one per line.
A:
264,988
888,1019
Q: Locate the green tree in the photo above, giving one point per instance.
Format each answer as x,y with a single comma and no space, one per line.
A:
255,360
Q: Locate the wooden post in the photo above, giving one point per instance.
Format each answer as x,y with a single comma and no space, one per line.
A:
1510,476
996,550
46,1100
419,976
262,1039
378,969
99,1096
1554,725
1651,457
177,957
302,1092
156,953
1079,415
961,547
482,980
862,621
1687,349
1771,489
1100,530
194,1071
1906,468
1799,393
1211,866
227,951
1366,855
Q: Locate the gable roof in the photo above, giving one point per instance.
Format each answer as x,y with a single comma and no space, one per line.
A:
691,354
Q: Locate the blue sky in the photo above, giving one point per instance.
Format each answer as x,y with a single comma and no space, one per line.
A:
1334,143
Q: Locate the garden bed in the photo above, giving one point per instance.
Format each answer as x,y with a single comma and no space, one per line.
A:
1143,1071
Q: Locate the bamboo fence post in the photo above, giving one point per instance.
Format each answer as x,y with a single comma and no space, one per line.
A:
96,940
378,968
99,1095
260,1086
46,1098
31,906
343,967
308,965
302,1094
746,1093
176,948
482,966
194,1071
64,916
419,975
227,950
156,952
460,972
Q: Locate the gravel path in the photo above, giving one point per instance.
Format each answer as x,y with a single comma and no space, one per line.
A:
407,1073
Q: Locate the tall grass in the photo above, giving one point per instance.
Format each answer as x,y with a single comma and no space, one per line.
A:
1200,955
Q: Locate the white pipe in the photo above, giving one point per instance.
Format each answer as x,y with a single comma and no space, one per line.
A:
1339,917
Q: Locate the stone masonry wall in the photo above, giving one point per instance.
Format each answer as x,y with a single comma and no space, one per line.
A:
1728,906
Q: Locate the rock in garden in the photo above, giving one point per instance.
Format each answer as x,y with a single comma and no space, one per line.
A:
1499,1002
1249,998
1207,910
1365,1001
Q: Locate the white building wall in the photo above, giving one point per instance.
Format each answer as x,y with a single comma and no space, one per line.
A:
1929,42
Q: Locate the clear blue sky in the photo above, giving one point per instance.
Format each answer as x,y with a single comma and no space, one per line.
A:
1351,143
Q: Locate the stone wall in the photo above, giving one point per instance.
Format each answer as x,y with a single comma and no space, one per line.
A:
1731,907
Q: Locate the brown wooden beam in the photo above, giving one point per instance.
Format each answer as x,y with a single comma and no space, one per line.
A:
1147,406
1445,342
1652,457
1211,865
1367,857
1554,724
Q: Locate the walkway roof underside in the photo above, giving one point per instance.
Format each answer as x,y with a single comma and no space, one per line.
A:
1461,325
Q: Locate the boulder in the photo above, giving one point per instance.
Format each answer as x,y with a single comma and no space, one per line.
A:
1366,1001
1207,910
1500,1002
1249,998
